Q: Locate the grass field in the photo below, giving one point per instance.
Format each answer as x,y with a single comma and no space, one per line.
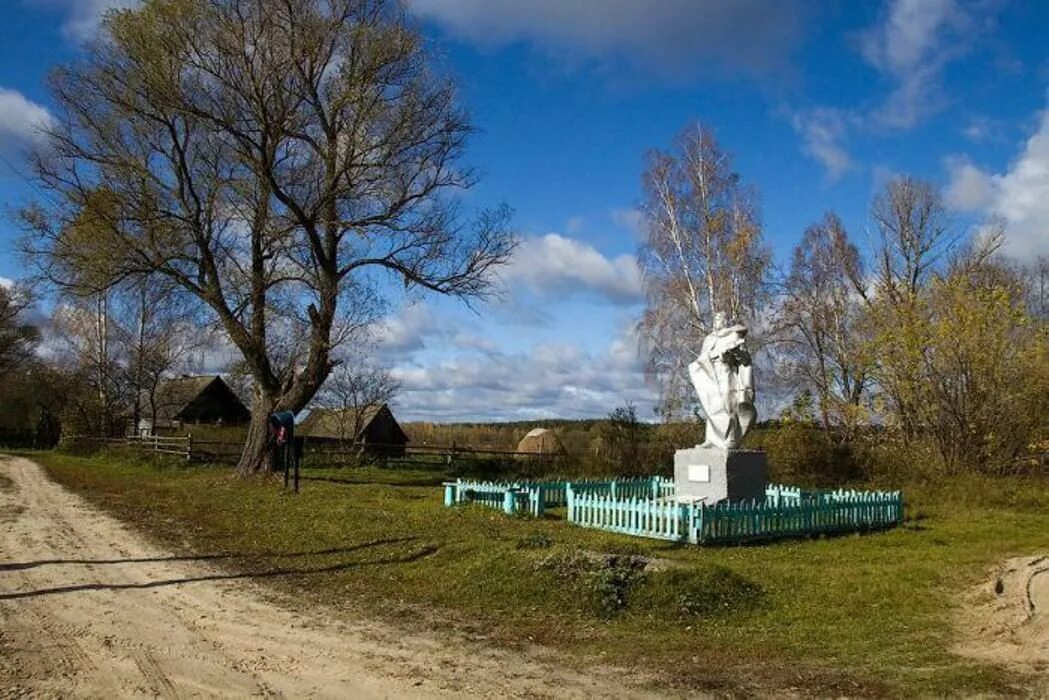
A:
856,615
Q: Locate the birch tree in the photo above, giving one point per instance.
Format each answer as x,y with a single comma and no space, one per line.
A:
702,255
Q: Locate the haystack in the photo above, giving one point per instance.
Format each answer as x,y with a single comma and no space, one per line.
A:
541,442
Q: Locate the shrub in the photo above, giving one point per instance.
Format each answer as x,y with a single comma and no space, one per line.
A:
610,584
698,593
605,581
804,454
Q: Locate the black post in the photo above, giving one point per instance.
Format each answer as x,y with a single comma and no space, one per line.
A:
284,449
295,458
283,425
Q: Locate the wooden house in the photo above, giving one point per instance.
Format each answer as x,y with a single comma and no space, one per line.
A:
187,401
372,427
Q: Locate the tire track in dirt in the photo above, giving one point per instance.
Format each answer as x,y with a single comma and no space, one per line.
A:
89,608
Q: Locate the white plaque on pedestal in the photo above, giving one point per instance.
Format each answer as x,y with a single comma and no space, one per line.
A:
699,472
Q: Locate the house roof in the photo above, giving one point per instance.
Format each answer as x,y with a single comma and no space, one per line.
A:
174,395
340,423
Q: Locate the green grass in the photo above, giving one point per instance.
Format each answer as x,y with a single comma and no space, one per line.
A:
856,615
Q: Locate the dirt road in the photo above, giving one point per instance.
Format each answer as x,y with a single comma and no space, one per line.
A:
88,608
1005,620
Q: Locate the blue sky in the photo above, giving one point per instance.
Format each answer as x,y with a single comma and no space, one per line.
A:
817,103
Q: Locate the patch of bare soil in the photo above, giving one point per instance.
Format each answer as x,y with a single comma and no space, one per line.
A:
1005,620
89,608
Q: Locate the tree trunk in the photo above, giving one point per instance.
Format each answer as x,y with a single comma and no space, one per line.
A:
255,459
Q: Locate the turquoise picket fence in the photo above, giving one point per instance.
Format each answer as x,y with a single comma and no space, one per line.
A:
828,512
660,519
786,512
534,497
645,507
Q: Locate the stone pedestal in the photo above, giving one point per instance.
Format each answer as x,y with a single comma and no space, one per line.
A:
713,474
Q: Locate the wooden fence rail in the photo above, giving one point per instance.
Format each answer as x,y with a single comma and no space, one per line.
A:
181,446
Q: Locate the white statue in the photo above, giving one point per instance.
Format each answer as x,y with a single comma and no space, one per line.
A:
724,380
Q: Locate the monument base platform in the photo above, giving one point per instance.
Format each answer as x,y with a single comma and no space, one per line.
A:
713,474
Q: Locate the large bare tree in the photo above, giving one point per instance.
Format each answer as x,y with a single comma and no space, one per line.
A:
702,254
272,158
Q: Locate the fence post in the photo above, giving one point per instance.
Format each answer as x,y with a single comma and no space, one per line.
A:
189,447
508,501
449,495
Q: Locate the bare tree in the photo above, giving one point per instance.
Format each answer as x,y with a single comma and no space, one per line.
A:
914,235
914,241
270,158
355,387
86,347
819,325
702,254
158,330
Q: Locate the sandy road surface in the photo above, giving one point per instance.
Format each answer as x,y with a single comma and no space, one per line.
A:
1005,620
90,609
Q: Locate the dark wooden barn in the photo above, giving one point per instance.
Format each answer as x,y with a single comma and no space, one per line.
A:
373,427
193,401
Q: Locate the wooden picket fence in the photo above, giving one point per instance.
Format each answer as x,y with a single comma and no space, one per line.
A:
646,507
664,519
786,512
829,512
534,497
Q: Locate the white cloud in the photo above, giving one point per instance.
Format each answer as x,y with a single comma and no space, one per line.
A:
1019,196
6,282
982,129
912,45
553,265
542,381
677,37
22,121
822,131
629,219
82,17
406,332
970,189
574,224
